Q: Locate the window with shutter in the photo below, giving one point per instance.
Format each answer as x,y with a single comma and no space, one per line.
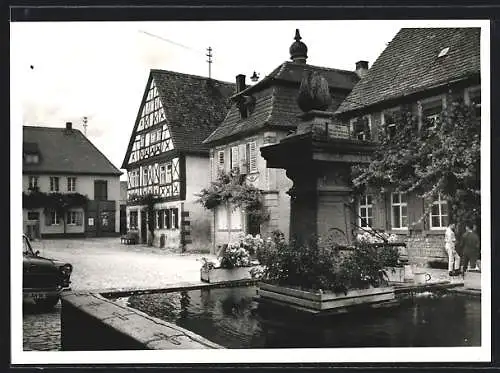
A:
175,218
168,219
234,157
252,161
161,219
242,153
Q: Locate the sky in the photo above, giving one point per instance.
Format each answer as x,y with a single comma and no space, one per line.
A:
68,70
63,71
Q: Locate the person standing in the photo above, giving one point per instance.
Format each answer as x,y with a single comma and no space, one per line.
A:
471,247
449,244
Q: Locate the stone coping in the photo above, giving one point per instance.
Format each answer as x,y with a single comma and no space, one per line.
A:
130,324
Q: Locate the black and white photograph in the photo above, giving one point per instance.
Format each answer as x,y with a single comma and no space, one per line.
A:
290,191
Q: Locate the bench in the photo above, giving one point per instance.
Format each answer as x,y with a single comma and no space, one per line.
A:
129,239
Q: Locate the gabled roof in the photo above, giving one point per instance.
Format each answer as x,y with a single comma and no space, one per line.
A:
410,64
64,151
276,96
194,106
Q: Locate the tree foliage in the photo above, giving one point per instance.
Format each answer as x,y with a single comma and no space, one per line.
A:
442,156
231,189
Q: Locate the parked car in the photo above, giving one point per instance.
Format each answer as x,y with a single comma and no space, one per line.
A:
43,279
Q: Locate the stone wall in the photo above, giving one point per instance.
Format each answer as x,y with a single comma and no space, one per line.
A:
90,322
423,247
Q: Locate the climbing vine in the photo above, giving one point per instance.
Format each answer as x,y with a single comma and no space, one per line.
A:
231,189
440,157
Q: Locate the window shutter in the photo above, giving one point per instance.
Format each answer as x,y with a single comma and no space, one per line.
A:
48,218
234,157
242,152
160,218
252,161
175,218
220,161
168,217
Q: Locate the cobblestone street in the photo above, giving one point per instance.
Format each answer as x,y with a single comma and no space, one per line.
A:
104,264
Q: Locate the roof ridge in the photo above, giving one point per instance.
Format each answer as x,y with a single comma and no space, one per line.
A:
323,67
191,75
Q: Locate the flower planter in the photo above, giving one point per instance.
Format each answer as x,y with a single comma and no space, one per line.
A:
225,275
324,301
395,274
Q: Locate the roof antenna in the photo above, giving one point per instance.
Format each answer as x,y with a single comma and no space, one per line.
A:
85,126
209,55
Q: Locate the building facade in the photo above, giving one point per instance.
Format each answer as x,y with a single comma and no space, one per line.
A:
420,71
260,115
62,162
166,158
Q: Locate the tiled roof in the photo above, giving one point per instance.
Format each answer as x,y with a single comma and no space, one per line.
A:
63,150
194,106
276,103
410,64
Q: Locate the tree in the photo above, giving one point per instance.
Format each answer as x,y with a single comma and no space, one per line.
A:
149,201
440,157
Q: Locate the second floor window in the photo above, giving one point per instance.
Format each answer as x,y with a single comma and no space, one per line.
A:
361,128
365,211
33,183
54,184
389,122
71,184
431,112
439,214
399,211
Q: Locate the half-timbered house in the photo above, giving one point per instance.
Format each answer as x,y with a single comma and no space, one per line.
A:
166,157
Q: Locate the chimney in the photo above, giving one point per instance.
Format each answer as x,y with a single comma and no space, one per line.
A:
69,126
240,83
361,68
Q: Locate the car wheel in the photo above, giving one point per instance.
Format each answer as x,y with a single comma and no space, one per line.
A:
47,303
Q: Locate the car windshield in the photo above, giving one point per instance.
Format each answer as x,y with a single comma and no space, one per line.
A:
27,250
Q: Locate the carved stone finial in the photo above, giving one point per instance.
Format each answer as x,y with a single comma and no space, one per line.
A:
314,93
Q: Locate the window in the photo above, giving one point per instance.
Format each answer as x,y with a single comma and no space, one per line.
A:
399,216
100,190
431,112
365,211
71,184
389,122
157,219
74,218
54,218
234,158
144,176
31,158
133,219
33,215
361,128
168,219
473,98
252,157
175,218
54,184
221,217
236,219
168,173
160,219
439,214
33,183
162,174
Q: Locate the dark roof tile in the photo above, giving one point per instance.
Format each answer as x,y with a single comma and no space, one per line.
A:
410,64
63,150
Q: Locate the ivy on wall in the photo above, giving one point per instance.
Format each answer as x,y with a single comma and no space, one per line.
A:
59,202
441,156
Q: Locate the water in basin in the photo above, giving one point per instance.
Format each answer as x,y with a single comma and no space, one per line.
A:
231,318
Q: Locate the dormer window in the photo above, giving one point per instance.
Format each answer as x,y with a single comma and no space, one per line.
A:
443,52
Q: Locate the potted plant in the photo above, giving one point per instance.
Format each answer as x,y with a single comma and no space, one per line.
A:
315,278
234,262
388,251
